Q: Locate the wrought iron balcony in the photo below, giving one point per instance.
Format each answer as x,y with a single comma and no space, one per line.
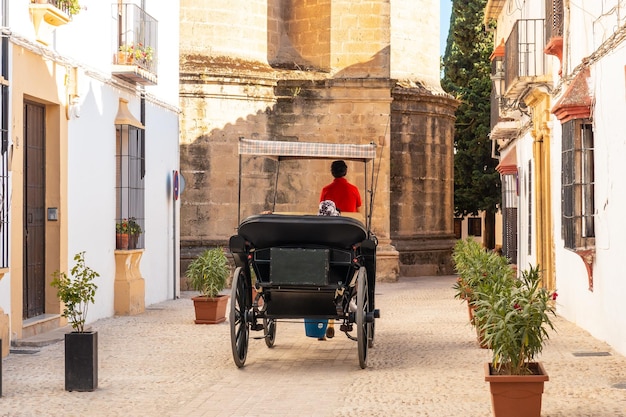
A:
54,12
524,60
520,66
135,57
50,13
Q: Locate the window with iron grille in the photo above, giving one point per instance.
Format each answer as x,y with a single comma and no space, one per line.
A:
509,216
130,172
529,197
577,185
554,19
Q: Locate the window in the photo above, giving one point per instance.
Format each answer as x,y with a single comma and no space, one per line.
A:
577,185
474,226
458,224
554,19
529,197
130,172
509,216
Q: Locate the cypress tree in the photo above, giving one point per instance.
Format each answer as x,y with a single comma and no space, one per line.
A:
467,70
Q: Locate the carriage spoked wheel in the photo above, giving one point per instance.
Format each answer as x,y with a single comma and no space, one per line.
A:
240,304
363,327
269,331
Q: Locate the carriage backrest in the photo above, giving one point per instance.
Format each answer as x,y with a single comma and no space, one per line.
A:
275,230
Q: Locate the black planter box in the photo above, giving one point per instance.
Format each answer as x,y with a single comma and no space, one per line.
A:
81,361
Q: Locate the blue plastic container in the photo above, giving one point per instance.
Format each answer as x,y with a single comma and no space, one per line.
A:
315,328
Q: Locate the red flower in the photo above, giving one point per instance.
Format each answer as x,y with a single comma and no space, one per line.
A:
554,295
517,306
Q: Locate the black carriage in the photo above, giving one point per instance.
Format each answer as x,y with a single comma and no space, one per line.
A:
305,266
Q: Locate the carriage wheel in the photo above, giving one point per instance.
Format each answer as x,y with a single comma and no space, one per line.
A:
239,324
363,328
269,331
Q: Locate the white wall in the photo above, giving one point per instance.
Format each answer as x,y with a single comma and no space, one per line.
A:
602,311
88,42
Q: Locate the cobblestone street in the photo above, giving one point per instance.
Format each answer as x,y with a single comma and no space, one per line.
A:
426,362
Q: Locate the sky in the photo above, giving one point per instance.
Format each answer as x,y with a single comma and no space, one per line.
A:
446,9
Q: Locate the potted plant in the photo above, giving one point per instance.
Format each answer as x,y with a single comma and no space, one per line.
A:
126,54
134,230
143,54
514,316
208,274
71,7
480,271
81,346
122,230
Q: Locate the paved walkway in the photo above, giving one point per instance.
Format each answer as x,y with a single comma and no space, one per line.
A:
426,363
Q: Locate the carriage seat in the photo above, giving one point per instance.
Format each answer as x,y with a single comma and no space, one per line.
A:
278,230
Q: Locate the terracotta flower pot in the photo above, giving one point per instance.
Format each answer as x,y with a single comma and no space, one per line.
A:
210,310
517,395
124,58
121,241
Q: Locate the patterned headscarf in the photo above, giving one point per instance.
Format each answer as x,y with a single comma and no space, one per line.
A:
328,208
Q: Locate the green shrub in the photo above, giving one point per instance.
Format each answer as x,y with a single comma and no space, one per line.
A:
514,316
208,272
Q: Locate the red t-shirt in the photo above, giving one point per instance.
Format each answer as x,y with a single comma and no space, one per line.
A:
345,195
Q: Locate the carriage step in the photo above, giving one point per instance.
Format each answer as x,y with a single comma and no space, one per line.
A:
346,328
376,313
256,327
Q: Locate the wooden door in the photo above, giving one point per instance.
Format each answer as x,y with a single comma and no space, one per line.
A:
34,209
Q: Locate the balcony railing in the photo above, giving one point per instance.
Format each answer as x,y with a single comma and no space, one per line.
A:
136,46
61,5
524,58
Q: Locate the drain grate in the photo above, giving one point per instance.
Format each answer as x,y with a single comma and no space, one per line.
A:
586,354
23,351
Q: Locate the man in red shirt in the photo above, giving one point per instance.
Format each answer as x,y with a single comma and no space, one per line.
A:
346,196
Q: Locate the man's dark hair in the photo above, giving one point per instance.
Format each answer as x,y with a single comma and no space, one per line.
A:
338,169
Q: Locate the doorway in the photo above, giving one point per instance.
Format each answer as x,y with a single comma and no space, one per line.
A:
34,210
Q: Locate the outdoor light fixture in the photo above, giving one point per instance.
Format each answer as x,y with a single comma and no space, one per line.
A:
499,83
498,78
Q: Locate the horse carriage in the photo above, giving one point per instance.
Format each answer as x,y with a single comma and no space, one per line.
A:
304,266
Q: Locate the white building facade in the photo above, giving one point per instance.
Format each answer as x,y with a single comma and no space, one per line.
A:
89,140
561,147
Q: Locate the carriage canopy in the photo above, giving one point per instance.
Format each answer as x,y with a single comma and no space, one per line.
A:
309,150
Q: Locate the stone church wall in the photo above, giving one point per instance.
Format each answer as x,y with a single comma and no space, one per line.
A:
314,71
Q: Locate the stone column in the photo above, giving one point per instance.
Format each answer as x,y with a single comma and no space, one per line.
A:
422,180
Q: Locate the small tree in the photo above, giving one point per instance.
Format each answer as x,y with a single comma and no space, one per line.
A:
467,69
76,293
